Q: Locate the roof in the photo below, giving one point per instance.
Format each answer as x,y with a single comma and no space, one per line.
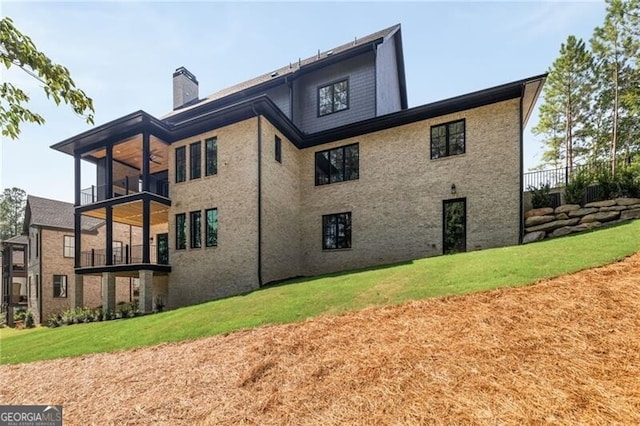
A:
54,214
278,76
18,239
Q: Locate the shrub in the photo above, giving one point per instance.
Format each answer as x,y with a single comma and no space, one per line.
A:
576,189
19,314
29,321
540,197
54,321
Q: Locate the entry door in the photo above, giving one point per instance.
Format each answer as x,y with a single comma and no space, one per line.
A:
454,226
163,249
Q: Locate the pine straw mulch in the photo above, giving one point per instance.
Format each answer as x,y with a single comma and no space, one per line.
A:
564,351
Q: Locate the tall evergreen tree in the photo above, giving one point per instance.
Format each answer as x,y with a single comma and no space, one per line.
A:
12,205
563,118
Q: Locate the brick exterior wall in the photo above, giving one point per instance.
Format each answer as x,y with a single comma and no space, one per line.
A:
396,204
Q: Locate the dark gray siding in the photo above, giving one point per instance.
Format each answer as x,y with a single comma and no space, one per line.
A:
362,94
280,96
388,90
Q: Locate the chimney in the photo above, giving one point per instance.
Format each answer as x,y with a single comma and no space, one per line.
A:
185,88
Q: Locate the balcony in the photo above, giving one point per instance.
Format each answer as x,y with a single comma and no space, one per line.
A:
127,186
130,255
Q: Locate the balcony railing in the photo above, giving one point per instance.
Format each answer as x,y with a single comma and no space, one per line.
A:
126,186
126,256
556,178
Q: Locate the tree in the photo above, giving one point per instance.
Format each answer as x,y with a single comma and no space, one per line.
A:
566,99
12,205
616,47
18,49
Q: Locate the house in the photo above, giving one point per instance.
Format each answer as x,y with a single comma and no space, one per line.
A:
39,264
312,168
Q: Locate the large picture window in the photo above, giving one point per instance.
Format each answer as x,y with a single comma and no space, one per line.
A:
333,97
181,232
211,226
338,164
195,229
195,160
59,286
447,139
181,164
211,156
68,246
336,231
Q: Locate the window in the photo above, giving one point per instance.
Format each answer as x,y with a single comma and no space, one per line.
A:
337,165
37,246
211,227
181,164
336,231
278,149
181,232
211,156
117,251
69,243
333,97
447,139
59,286
195,160
195,229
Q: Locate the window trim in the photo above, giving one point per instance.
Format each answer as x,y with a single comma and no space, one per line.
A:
324,245
65,246
66,287
277,146
183,150
343,147
206,227
182,216
213,139
447,138
332,85
195,237
195,164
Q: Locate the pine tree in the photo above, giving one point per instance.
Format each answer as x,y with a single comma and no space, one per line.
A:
563,118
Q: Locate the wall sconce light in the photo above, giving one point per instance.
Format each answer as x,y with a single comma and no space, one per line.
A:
453,189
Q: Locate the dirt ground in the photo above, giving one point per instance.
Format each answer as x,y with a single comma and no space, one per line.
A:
564,351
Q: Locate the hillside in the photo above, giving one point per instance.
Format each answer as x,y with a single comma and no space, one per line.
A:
563,351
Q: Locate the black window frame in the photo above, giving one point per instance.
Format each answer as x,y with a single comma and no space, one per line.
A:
346,175
58,286
117,251
181,164
332,85
346,242
448,141
211,167
195,160
206,228
66,246
277,147
181,231
195,229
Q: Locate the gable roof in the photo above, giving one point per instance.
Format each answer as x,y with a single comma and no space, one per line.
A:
18,239
54,214
280,75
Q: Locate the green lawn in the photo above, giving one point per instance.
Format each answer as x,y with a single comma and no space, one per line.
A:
299,299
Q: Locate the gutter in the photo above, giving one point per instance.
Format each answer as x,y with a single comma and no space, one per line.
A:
259,195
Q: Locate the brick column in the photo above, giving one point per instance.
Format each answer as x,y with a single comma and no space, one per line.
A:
146,291
78,291
108,291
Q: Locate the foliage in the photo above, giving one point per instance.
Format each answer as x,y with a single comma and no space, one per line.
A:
540,197
19,314
12,205
624,182
29,320
576,190
87,315
332,294
19,50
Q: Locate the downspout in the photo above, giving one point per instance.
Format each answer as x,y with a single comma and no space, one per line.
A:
521,177
40,277
259,195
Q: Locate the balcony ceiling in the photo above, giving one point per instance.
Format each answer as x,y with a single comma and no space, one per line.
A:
130,152
131,213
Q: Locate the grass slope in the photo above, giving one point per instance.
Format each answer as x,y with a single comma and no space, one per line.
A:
299,299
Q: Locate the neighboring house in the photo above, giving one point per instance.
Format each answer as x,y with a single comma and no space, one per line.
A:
312,168
43,260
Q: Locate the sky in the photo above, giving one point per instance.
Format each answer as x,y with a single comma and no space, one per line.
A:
123,54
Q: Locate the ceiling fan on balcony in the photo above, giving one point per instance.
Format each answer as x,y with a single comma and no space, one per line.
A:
155,156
